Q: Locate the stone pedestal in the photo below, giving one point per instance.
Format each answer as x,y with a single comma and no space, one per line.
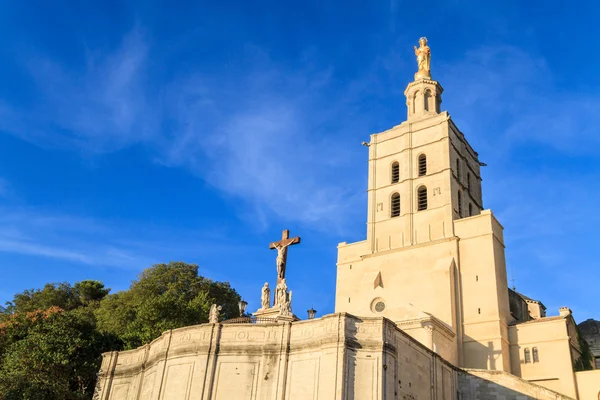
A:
273,314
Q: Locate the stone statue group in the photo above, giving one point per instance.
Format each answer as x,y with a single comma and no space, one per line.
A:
283,298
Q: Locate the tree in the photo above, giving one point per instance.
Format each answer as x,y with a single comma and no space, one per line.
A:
165,296
51,354
61,295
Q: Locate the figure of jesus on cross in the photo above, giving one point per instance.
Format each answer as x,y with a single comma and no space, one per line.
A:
282,248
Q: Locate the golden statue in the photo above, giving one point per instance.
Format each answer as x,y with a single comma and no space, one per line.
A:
423,54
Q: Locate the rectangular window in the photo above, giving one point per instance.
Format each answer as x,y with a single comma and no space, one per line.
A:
527,356
535,355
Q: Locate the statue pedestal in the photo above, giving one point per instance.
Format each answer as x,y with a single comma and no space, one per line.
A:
271,315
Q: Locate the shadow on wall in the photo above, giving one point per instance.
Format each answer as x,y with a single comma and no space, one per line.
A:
483,356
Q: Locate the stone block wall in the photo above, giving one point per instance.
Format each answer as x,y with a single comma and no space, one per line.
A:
499,385
337,356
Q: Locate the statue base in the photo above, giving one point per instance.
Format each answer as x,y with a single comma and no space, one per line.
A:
422,75
270,315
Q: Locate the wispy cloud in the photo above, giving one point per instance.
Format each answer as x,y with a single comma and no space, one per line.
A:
67,238
517,93
101,107
252,133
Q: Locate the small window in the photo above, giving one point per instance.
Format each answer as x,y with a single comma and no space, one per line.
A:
395,205
470,210
527,356
422,198
395,172
534,352
460,214
469,182
458,169
422,165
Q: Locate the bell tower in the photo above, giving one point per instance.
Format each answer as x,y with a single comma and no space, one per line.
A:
423,174
432,255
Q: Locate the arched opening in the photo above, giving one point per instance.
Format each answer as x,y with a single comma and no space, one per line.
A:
536,357
527,355
422,198
395,172
458,169
395,205
427,100
470,210
414,102
422,165
460,214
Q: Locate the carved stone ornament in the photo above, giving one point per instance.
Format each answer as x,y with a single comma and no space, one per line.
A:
213,315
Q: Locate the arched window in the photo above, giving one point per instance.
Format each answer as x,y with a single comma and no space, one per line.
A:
427,100
534,352
527,356
469,182
422,165
460,214
470,210
395,172
458,169
422,198
415,102
395,208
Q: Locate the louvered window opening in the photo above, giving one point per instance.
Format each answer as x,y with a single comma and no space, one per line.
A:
395,205
460,214
422,165
469,182
395,172
422,199
458,169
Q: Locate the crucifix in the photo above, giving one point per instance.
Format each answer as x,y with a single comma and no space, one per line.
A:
282,248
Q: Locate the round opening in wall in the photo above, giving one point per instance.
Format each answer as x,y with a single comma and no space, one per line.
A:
377,305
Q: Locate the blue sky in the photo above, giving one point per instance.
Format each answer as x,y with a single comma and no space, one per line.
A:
140,132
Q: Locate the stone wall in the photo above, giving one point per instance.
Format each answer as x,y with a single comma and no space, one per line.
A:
338,356
588,384
492,385
335,357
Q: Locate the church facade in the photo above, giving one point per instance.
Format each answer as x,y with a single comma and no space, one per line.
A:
423,309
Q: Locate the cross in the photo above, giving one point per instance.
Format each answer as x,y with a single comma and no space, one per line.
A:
282,248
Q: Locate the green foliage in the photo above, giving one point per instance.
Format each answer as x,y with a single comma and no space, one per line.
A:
61,295
51,354
166,296
51,339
